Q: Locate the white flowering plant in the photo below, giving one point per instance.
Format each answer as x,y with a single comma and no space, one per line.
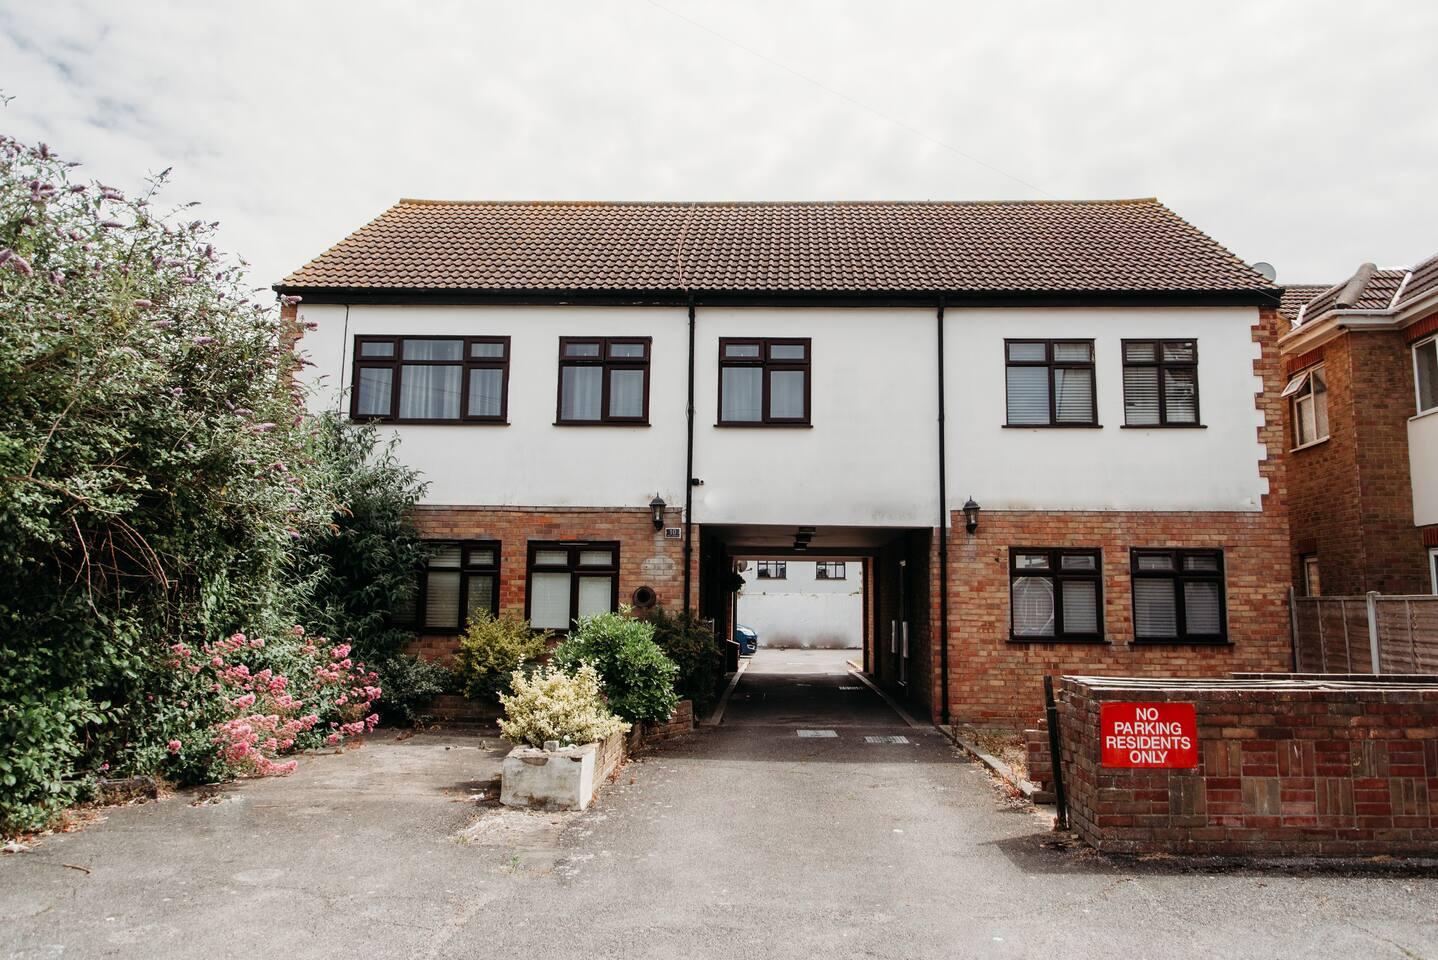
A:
551,704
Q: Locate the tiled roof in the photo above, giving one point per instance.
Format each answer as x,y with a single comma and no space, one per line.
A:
1368,289
1295,296
990,247
1423,281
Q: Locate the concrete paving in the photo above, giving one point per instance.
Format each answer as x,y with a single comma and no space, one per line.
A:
741,841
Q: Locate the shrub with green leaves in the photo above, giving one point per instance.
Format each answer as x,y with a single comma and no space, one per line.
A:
410,685
636,676
692,646
491,649
552,704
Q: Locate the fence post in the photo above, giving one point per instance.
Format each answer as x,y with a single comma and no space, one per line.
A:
1373,632
1293,628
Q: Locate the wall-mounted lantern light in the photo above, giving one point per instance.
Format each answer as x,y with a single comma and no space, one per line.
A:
971,516
656,511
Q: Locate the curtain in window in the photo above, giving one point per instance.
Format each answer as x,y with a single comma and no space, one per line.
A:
1140,396
429,393
1028,395
374,386
596,595
486,391
1201,608
786,394
1033,603
433,349
1080,606
549,601
1180,395
1073,390
1154,611
743,394
582,388
1427,356
626,393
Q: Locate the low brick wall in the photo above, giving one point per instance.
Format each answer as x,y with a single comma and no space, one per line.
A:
1040,763
679,723
1286,767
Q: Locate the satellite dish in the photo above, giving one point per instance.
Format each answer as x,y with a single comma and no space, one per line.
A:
1266,271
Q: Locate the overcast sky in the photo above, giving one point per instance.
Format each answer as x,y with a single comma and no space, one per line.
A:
1301,133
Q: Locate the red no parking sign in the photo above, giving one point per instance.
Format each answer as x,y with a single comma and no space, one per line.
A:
1149,734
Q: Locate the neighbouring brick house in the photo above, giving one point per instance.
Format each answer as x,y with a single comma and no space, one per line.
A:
1361,368
618,402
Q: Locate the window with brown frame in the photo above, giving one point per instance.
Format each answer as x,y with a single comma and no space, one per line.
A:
603,381
1050,383
459,579
1178,596
772,570
1160,383
431,379
830,570
569,580
1056,594
764,382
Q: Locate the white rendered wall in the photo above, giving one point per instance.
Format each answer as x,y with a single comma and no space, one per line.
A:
803,611
1423,467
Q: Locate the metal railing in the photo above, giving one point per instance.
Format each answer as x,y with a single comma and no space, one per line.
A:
1374,634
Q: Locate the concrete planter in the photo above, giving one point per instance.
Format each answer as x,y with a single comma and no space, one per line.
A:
561,779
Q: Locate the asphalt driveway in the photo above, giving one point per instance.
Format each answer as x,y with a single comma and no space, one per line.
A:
813,822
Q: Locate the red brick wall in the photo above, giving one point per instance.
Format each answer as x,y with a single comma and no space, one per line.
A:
645,557
1282,772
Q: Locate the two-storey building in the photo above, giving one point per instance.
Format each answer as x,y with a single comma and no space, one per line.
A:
615,402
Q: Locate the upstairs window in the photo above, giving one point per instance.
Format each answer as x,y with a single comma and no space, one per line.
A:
458,580
1160,383
830,570
764,382
1178,595
431,379
1307,395
772,570
1056,594
1425,373
1051,383
570,580
603,381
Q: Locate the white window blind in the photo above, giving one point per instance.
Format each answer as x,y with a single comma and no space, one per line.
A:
549,600
1201,608
595,595
1080,599
1140,396
1154,612
1073,391
1028,395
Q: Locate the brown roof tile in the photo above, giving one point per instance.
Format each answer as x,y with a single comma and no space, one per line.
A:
1296,295
989,247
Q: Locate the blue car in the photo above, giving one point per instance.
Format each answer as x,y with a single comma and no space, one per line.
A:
747,639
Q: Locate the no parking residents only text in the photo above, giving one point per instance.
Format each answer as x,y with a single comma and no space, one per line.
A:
1149,735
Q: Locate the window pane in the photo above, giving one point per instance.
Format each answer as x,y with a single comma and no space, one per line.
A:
596,595
581,389
1028,351
1294,385
486,392
429,393
549,601
375,386
406,608
1079,562
1080,606
552,558
481,595
1180,395
742,389
626,350
739,351
1032,561
1320,404
626,393
1427,357
596,558
1033,601
581,349
377,349
786,394
1140,396
1028,394
434,349
786,351
481,558
1303,419
1074,391
1138,352
1073,352
487,351
441,600
446,555
1154,613
1201,608
1155,561
1200,562
1180,350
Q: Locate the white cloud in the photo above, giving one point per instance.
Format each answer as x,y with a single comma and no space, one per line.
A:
1295,132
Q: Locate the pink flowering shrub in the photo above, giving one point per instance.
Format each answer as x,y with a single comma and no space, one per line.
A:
251,702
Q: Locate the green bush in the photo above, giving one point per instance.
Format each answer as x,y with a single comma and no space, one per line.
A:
695,650
491,650
410,685
636,676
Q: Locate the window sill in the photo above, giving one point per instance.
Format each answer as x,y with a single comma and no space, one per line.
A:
1053,426
1066,641
1181,642
598,423
390,422
763,426
1164,426
1426,413
1310,444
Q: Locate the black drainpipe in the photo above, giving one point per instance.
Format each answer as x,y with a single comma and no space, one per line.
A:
943,539
689,471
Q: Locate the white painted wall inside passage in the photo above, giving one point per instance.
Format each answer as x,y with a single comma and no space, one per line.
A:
802,611
1423,467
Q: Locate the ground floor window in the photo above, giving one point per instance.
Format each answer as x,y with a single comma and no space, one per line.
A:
830,570
459,579
1178,595
1056,594
570,580
772,570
